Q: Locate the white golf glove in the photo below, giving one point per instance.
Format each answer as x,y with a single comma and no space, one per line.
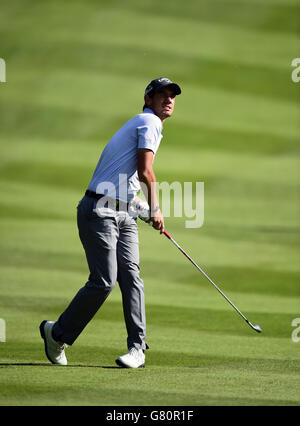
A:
140,208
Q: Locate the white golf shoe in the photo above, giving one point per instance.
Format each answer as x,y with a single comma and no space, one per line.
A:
134,359
55,351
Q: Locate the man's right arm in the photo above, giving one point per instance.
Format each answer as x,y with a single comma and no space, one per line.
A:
147,178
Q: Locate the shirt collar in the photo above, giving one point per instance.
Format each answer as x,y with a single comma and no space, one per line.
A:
148,111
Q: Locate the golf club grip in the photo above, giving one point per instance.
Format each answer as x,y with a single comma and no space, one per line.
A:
167,234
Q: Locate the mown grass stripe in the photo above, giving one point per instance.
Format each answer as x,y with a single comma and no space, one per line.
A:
119,61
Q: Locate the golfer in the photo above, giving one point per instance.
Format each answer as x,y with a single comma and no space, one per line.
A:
108,229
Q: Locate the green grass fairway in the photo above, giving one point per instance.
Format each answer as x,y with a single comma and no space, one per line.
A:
75,72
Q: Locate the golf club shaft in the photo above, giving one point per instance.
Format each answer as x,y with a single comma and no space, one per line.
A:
206,276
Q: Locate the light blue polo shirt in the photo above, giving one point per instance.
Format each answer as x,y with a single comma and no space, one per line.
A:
116,172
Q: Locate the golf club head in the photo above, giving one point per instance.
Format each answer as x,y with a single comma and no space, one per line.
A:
255,327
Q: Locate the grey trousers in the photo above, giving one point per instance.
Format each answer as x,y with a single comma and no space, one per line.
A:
112,252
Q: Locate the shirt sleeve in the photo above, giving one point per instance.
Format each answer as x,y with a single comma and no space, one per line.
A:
149,133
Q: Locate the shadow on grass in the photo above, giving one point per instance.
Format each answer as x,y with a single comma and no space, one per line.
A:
44,364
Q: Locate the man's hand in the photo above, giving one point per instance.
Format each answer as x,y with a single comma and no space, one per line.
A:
157,220
140,208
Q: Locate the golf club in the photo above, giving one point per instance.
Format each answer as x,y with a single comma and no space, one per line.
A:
255,327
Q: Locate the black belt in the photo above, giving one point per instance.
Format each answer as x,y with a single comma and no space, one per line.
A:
117,204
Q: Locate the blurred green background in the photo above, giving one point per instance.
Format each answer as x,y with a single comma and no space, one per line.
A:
76,71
